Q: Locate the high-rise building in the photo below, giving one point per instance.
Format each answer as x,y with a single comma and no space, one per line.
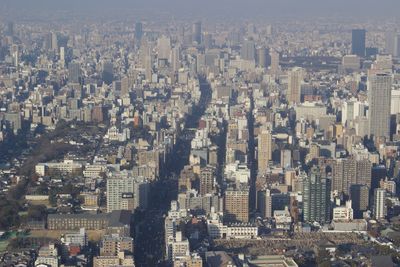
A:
295,79
196,32
286,158
395,102
236,206
263,57
10,29
274,55
264,151
62,56
126,193
207,180
316,197
379,93
175,59
264,203
164,47
138,33
108,72
349,171
380,210
75,73
358,42
393,43
248,50
54,42
125,86
359,195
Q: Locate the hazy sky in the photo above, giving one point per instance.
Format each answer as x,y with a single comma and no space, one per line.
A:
214,8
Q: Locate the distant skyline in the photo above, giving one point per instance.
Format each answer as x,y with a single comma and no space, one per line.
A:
239,9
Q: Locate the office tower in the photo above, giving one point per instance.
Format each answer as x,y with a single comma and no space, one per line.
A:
274,61
117,86
286,158
378,173
10,29
314,151
383,63
14,51
349,171
75,73
380,210
343,175
264,151
316,197
395,102
14,120
295,78
98,114
120,194
207,40
264,203
138,33
351,63
207,180
236,206
175,59
125,86
196,32
393,43
54,42
125,193
364,172
247,52
358,42
263,58
62,56
108,72
359,195
164,47
379,93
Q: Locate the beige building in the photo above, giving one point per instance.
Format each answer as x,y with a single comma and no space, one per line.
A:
264,151
236,206
295,78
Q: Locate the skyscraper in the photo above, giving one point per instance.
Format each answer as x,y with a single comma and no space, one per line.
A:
74,71
125,86
379,92
236,207
263,58
54,42
196,32
126,193
164,47
264,151
264,203
316,197
274,61
247,51
359,195
392,43
175,60
379,211
349,171
207,180
295,78
358,42
10,29
138,33
108,72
